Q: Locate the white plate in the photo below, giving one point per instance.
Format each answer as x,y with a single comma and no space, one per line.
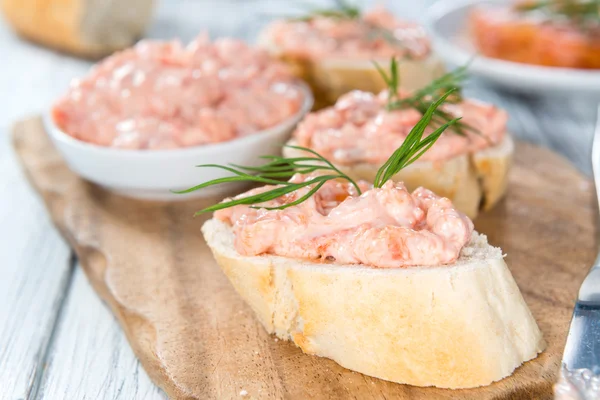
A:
447,23
152,174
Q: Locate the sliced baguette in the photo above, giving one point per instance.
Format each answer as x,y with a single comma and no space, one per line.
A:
458,326
87,28
492,166
470,181
332,77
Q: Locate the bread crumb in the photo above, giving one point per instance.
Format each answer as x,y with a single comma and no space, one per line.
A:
243,393
277,339
256,352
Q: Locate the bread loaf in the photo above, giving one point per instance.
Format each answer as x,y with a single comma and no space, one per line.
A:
88,28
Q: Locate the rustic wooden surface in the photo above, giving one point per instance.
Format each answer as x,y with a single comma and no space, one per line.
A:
53,328
197,339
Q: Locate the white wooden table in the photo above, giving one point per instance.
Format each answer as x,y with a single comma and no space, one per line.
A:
57,339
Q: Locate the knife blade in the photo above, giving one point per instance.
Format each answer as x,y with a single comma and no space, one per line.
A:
580,375
583,342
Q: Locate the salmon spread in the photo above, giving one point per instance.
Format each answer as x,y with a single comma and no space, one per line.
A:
359,129
536,37
385,227
162,95
374,34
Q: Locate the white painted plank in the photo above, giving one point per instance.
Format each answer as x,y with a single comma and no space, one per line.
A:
34,275
32,77
90,357
571,136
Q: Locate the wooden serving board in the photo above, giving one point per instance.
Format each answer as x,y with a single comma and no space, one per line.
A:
197,339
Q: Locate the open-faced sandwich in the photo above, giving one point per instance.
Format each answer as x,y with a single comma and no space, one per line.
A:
387,282
332,49
557,33
360,132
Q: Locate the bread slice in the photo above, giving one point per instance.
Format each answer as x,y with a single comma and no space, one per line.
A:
458,326
470,181
88,28
332,77
492,166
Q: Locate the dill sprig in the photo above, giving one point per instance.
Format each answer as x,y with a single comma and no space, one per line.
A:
345,10
341,10
392,81
270,173
422,99
578,11
414,146
278,167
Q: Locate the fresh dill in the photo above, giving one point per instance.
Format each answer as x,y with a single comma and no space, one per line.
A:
582,13
344,10
277,168
423,98
341,10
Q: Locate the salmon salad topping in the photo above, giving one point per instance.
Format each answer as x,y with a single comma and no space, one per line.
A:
386,227
163,95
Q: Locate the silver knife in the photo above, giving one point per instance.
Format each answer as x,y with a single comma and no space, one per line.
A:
580,374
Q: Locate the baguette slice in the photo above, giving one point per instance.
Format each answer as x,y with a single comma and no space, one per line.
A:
332,77
458,326
88,28
470,181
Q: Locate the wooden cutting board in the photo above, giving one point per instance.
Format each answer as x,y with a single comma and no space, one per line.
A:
197,339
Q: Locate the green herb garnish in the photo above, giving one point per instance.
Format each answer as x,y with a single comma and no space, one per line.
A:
341,10
580,12
345,10
277,168
269,173
392,81
422,99
414,146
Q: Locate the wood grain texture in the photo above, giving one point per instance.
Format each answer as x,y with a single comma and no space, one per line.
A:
197,339
35,272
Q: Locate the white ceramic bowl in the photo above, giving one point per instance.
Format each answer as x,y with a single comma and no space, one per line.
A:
152,174
447,22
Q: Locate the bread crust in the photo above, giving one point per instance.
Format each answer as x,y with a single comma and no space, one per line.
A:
458,326
330,78
492,166
470,181
87,28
